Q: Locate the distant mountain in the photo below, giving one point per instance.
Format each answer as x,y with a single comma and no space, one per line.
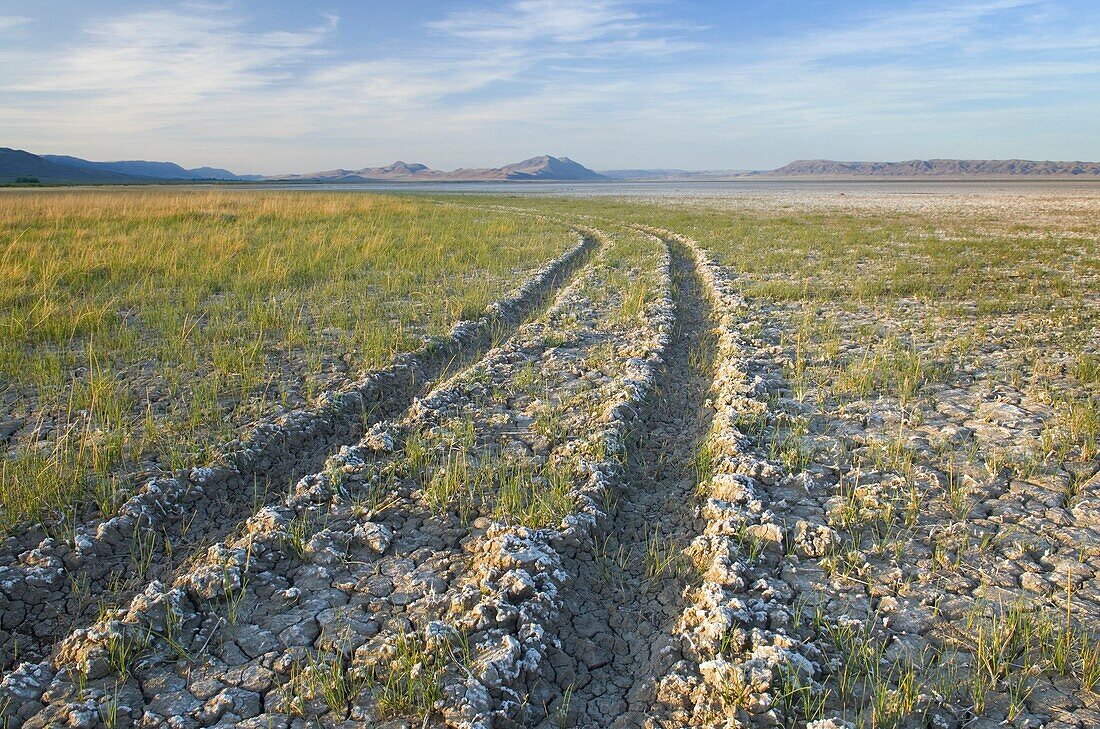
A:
217,173
548,168
937,168
536,168
23,166
141,168
397,171
54,169
16,164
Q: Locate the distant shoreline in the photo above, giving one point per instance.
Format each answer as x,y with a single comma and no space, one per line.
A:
790,179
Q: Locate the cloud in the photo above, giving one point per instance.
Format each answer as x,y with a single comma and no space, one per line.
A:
582,28
168,56
12,21
913,29
156,70
525,74
555,21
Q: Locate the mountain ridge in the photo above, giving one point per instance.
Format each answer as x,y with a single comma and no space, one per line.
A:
936,168
16,164
543,167
21,166
144,168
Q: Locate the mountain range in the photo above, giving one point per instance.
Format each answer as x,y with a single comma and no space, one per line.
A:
536,168
16,164
139,168
937,168
19,166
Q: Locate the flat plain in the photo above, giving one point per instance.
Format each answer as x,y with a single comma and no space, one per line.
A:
814,457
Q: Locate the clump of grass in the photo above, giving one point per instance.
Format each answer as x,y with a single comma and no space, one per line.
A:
411,683
786,444
883,690
1007,646
1087,369
888,367
534,500
703,464
798,697
551,424
125,646
663,557
325,676
300,530
519,490
455,483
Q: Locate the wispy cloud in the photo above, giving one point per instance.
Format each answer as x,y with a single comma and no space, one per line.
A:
930,58
174,56
12,21
556,21
905,30
156,70
572,30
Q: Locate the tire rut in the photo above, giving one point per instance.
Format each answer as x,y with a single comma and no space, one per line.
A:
625,598
55,587
374,554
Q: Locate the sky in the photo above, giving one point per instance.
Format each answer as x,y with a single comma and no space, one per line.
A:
278,86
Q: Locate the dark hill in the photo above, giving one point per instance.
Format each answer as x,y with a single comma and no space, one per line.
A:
15,164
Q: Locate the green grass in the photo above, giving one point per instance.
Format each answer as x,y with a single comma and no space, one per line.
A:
149,326
411,683
519,490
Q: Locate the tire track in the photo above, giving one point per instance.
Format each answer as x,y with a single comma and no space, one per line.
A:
744,662
624,599
47,588
332,572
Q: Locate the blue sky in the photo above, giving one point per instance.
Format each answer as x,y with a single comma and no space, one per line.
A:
292,86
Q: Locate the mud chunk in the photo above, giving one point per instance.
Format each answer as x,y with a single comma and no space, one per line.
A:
769,535
254,641
302,634
1034,582
812,540
830,724
379,439
734,488
375,536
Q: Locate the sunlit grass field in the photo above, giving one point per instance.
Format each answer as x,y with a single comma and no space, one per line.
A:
141,329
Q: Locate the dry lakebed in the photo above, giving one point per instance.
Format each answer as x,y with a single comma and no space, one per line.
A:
819,456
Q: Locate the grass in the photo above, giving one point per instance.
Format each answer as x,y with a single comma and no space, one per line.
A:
411,683
663,557
1007,646
324,676
463,467
301,530
518,490
147,327
870,313
870,326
